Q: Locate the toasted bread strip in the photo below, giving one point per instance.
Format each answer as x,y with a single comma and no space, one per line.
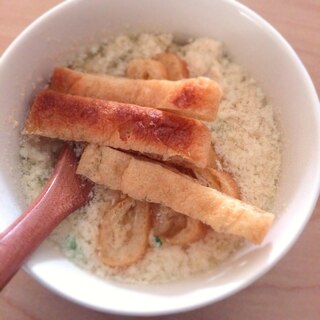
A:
150,181
124,232
175,227
198,97
166,222
194,231
177,68
219,180
160,134
146,69
214,161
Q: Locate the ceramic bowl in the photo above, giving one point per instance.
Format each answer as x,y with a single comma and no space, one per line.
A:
253,43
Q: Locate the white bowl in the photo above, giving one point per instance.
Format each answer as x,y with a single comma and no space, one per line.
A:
253,43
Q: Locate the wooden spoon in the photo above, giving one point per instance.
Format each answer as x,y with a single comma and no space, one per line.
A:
64,193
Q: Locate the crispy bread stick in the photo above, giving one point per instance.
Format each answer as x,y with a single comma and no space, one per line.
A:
147,180
197,98
158,134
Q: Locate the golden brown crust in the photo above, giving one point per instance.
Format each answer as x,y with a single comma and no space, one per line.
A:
198,97
129,127
150,181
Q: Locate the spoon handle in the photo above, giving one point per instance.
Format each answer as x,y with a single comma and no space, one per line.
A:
63,193
26,234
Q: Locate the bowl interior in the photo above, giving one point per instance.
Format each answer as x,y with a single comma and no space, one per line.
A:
53,38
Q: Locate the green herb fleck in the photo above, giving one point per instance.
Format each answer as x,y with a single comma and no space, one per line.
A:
72,244
157,241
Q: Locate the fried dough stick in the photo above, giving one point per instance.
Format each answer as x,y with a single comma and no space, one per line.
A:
177,68
153,182
158,134
146,69
176,228
197,98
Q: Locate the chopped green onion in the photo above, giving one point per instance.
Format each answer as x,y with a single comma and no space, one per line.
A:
72,244
158,241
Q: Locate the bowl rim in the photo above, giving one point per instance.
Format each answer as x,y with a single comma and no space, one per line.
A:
249,13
